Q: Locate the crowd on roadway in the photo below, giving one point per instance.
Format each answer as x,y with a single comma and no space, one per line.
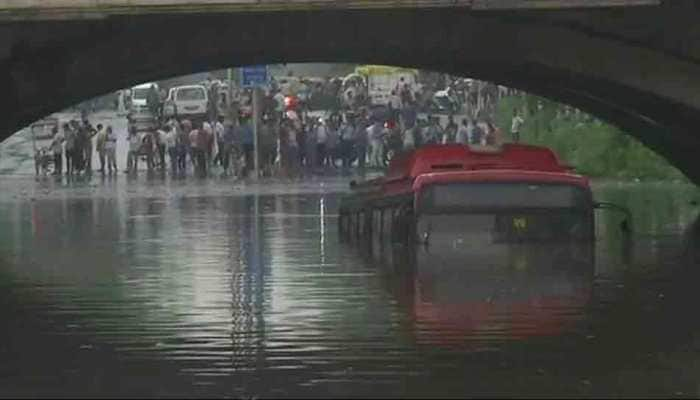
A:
291,138
290,142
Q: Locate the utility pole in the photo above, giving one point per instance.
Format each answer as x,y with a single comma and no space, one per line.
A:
229,96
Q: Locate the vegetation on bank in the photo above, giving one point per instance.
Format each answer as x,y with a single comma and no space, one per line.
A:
593,147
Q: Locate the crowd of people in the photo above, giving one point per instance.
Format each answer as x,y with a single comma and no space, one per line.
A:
289,142
74,144
291,138
295,142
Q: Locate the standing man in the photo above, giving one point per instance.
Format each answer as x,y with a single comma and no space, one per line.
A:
462,136
477,135
148,144
193,148
408,115
375,134
516,124
213,104
100,142
361,141
69,134
162,97
81,138
433,133
450,131
347,141
210,144
171,145
293,146
321,139
161,146
89,132
57,150
132,157
247,141
409,139
183,145
226,149
219,132
110,148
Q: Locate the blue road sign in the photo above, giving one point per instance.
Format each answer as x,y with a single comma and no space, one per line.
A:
254,75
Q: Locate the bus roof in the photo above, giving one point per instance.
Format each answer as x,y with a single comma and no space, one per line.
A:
444,158
490,176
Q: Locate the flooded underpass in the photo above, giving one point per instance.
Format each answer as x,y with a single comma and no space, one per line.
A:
122,288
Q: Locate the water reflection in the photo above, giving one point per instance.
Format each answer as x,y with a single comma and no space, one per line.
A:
217,294
478,298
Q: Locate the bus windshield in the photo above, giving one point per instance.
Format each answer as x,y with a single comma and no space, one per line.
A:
444,198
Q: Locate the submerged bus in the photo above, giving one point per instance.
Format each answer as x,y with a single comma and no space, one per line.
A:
514,193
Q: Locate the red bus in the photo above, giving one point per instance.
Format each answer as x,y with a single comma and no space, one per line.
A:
516,193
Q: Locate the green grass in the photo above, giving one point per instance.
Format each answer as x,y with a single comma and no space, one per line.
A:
593,147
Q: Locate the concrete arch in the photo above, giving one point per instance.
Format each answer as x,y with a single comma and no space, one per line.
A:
645,88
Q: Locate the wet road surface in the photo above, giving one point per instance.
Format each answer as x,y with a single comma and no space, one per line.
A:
198,288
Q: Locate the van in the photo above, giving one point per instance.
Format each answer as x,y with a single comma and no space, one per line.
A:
189,101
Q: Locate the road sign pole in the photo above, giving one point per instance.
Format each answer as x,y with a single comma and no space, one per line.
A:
256,118
253,77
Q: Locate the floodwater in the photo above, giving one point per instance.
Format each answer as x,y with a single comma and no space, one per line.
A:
209,288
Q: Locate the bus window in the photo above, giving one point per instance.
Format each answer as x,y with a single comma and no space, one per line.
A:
505,212
459,197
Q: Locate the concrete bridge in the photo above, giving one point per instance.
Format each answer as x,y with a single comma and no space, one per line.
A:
637,66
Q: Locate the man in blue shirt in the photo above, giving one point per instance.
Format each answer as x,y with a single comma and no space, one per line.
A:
409,115
229,141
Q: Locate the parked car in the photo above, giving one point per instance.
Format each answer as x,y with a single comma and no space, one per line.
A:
189,101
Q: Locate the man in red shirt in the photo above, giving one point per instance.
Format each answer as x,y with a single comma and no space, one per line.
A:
202,147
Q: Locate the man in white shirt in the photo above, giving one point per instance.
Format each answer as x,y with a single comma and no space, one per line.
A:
110,148
279,104
462,136
132,157
171,146
219,130
375,133
517,123
321,140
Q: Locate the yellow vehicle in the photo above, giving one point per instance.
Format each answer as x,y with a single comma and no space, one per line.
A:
382,80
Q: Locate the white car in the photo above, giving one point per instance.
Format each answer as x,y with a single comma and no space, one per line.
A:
139,96
188,101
